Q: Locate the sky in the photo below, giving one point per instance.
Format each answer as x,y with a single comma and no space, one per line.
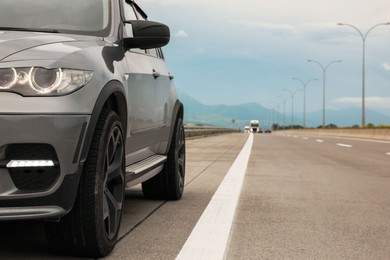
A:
235,52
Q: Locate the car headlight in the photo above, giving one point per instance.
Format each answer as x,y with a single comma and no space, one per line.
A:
37,81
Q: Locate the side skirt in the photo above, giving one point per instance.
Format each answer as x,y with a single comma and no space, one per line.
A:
143,170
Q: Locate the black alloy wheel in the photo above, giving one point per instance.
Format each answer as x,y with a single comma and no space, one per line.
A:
92,227
169,183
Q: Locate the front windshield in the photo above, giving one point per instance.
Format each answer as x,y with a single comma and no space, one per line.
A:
68,16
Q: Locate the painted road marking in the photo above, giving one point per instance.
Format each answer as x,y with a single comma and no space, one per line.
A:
305,138
388,153
319,141
209,237
345,145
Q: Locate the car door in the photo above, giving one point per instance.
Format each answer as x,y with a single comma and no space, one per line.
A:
144,73
163,86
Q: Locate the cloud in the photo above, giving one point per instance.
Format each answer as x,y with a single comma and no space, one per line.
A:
266,25
348,100
314,32
181,34
386,66
375,102
276,39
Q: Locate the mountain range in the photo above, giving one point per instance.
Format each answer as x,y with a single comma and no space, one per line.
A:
237,116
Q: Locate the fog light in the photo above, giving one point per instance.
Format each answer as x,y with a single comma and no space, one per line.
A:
30,163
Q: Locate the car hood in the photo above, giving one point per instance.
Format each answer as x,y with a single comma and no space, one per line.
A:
34,45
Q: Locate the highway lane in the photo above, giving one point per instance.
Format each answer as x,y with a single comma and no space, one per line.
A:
150,229
164,232
310,198
303,197
371,146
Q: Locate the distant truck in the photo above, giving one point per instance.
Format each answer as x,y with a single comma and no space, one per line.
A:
254,126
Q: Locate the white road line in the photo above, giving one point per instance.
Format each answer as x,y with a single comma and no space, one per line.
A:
319,141
305,138
388,153
345,145
209,237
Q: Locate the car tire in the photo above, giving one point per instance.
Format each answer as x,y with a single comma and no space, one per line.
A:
91,228
169,183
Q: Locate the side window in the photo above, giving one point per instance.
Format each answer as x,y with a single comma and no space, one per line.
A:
156,53
130,14
152,52
140,15
160,53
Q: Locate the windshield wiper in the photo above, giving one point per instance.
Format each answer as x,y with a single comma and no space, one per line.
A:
29,29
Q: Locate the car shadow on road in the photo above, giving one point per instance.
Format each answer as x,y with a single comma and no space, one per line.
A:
22,239
27,239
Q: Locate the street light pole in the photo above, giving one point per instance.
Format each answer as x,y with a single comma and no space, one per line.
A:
304,84
292,104
324,68
277,106
284,110
364,37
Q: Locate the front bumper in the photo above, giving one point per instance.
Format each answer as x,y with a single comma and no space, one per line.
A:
40,192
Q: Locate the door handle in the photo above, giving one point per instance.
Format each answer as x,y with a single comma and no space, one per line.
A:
156,74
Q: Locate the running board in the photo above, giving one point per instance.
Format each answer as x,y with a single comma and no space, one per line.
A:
146,165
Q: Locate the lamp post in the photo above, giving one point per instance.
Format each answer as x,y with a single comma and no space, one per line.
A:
324,68
364,37
277,106
292,104
284,110
304,84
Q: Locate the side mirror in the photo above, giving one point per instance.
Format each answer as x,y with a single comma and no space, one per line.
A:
147,35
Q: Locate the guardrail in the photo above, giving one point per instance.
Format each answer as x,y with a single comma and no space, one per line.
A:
201,131
365,133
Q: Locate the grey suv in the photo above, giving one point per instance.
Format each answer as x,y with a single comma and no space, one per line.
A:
87,108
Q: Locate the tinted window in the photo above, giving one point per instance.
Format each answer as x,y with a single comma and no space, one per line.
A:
86,16
129,12
130,15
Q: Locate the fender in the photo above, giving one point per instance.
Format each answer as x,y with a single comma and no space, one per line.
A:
113,96
178,111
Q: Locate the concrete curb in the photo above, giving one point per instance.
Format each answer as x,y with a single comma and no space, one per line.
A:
200,131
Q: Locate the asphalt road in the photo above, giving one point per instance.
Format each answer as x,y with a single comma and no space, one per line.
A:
301,198
314,198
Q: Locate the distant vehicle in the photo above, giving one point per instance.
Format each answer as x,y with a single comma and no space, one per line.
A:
254,126
268,131
247,129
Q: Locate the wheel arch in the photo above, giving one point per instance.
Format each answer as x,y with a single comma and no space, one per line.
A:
112,96
178,112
